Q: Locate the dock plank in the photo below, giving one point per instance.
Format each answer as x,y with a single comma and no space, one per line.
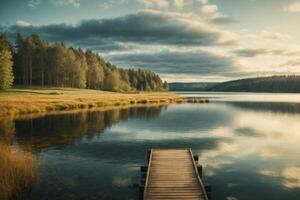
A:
172,174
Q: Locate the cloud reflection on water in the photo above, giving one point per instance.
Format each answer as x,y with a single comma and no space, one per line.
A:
291,177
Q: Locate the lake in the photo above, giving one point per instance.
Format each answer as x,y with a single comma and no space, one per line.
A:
248,144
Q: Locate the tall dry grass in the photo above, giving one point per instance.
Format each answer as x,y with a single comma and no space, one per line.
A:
18,171
32,101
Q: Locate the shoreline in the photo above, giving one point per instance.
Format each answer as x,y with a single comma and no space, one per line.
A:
16,103
76,111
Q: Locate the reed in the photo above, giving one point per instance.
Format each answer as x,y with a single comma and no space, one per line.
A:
18,171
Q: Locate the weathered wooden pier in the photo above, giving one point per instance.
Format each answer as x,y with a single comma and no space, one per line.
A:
172,174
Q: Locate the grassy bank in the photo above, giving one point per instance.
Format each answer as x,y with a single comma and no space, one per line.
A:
17,172
20,101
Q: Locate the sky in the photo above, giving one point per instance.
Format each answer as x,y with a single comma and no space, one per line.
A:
181,40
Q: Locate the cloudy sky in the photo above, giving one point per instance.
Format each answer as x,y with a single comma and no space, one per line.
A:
182,40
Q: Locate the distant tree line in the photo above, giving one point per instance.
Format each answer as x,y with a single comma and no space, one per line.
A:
273,84
33,61
197,86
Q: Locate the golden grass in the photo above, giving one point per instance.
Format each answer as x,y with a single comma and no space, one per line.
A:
36,100
17,172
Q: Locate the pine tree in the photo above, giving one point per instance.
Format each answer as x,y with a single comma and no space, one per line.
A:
5,44
6,74
112,80
95,72
19,70
38,63
6,70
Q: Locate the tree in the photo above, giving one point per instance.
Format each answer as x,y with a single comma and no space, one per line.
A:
57,56
112,80
166,86
124,82
38,63
19,68
6,73
95,73
6,70
76,69
4,43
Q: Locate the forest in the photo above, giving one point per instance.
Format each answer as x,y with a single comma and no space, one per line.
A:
272,84
197,86
33,61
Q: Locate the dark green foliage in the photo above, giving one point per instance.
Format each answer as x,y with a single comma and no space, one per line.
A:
30,60
38,63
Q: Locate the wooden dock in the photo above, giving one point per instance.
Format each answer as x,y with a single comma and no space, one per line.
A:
173,174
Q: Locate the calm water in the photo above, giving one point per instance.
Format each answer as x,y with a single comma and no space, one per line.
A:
249,145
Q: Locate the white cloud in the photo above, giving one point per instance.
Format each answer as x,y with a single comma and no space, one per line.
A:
293,8
209,9
180,3
75,3
183,3
34,3
274,35
21,23
155,3
177,4
211,13
111,3
203,1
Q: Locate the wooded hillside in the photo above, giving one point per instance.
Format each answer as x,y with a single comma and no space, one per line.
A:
199,86
272,84
37,62
285,84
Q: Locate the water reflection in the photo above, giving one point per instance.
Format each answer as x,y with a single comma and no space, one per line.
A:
276,107
263,152
7,130
62,130
291,177
244,147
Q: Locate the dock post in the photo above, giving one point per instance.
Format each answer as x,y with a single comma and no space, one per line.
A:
148,155
200,170
144,169
141,192
143,174
196,158
208,190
